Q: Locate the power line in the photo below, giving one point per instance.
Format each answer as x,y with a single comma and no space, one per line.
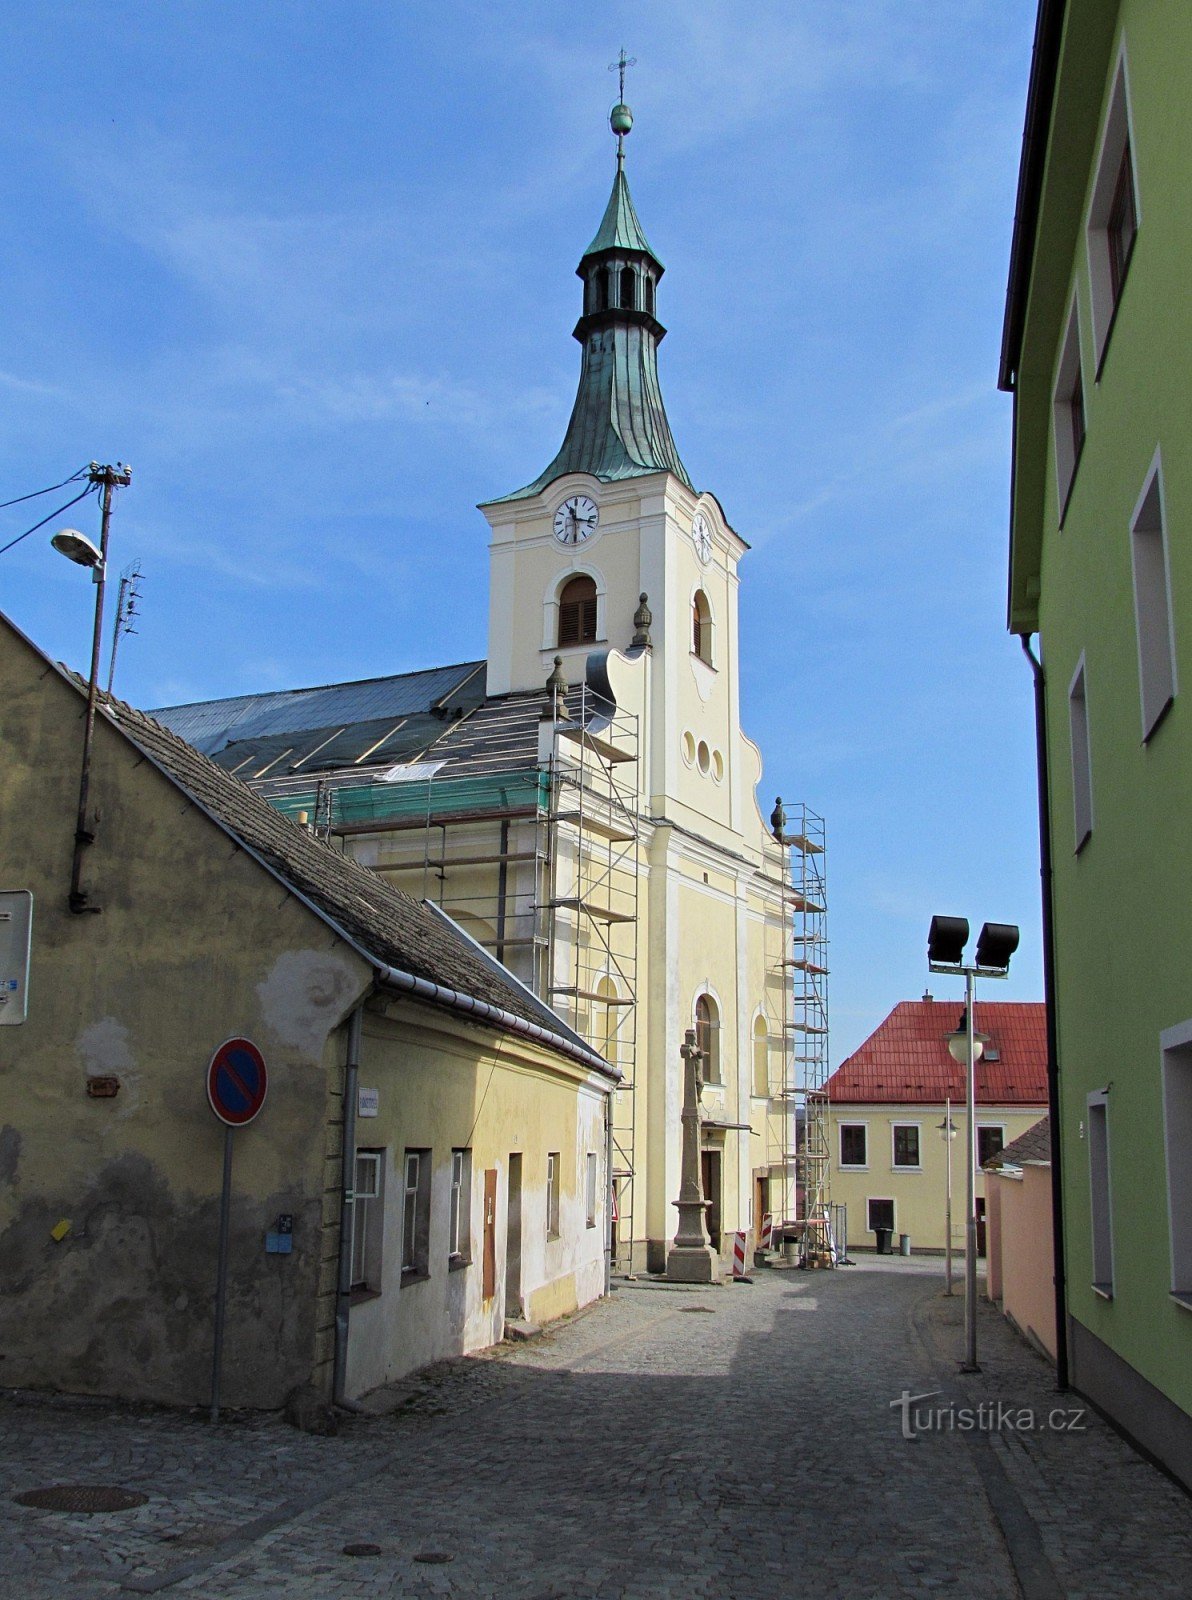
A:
90,489
74,478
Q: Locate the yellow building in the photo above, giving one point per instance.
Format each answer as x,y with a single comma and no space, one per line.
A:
888,1104
584,800
431,1156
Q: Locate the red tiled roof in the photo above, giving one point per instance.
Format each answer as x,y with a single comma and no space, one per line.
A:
906,1061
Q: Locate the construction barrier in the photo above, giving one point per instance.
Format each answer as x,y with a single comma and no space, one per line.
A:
739,1254
765,1239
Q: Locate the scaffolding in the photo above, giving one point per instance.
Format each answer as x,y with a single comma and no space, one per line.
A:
799,1102
538,862
594,904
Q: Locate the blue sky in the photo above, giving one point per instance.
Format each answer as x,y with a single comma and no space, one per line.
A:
311,270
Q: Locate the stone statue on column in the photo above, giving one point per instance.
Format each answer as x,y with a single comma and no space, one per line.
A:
691,1258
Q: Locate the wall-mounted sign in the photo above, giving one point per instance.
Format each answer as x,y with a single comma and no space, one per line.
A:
16,931
368,1103
236,1082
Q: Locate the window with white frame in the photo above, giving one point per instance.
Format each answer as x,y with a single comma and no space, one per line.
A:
415,1229
879,1214
854,1150
459,1229
1100,1214
906,1144
1177,1135
591,1181
1068,412
991,1139
368,1218
552,1195
1113,213
1152,602
1082,771
707,1036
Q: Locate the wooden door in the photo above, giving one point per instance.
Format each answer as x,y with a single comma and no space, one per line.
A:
710,1172
490,1232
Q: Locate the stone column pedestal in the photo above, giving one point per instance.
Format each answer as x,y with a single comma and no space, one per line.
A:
691,1258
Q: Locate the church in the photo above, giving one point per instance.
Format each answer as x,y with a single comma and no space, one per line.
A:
584,803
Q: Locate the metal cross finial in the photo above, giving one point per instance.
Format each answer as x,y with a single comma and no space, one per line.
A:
619,66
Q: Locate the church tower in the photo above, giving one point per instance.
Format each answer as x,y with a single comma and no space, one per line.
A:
614,518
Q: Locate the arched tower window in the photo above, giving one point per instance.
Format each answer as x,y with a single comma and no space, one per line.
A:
628,288
648,294
577,611
604,288
701,627
707,1036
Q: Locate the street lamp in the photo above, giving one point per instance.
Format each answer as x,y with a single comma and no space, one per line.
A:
947,1133
78,548
996,943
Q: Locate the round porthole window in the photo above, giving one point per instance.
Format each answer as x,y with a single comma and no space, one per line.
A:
704,757
717,765
688,748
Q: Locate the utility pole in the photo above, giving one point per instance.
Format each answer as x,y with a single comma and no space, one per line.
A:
106,479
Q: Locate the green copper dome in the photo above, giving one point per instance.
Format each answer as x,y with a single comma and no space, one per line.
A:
618,427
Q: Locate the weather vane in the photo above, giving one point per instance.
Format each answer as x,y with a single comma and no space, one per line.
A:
621,118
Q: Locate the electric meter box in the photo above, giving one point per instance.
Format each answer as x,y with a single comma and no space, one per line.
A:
16,933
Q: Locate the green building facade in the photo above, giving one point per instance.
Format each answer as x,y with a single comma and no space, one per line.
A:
1097,351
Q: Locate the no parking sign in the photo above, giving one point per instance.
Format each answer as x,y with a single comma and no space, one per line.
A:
237,1081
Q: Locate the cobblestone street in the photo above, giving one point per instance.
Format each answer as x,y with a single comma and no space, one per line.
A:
728,1441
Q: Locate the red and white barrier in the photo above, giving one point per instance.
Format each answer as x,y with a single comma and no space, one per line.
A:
739,1254
766,1237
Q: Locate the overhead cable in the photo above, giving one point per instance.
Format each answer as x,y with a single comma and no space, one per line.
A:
74,478
90,489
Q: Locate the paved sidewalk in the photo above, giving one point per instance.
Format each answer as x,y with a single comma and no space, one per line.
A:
733,1441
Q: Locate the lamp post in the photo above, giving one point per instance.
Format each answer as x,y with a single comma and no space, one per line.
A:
947,1134
78,548
996,943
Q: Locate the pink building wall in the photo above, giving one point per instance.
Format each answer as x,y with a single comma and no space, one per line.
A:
1019,1264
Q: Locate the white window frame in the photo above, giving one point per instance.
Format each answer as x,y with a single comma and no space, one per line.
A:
552,1194
591,1188
1176,1047
1069,370
852,1166
881,1200
905,1166
989,1127
459,1220
1153,617
550,603
1117,134
415,1222
1082,765
1100,1193
712,1070
368,1219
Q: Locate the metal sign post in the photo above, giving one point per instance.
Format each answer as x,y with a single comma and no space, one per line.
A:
237,1081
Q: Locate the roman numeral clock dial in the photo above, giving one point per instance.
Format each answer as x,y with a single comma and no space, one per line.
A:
576,520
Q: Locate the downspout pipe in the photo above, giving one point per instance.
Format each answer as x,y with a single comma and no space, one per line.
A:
343,1288
608,1196
1053,1069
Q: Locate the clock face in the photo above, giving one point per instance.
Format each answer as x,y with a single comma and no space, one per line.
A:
701,537
576,520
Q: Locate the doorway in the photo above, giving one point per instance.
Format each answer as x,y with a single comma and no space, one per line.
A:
980,1226
710,1169
513,1241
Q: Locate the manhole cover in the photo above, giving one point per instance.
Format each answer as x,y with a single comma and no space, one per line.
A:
362,1549
88,1497
434,1558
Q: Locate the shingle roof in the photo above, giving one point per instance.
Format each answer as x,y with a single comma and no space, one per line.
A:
387,925
1032,1148
906,1061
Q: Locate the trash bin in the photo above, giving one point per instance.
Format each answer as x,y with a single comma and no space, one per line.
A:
884,1236
904,1244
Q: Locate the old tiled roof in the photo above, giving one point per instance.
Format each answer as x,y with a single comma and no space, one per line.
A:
906,1061
389,926
1032,1148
